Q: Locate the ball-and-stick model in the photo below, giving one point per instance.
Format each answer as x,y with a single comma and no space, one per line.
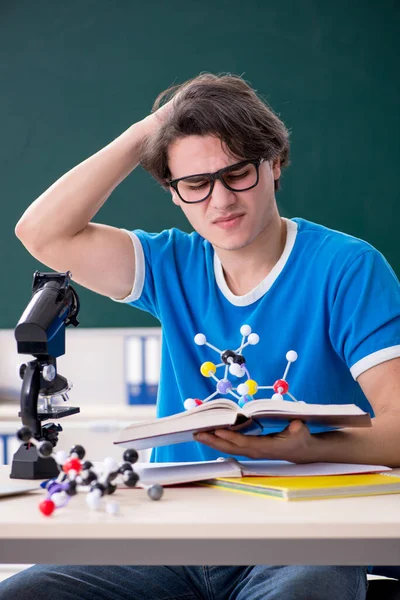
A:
234,363
79,475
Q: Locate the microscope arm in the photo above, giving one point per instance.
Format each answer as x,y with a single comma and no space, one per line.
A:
29,397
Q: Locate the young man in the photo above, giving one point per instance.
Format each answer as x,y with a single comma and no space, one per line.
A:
332,298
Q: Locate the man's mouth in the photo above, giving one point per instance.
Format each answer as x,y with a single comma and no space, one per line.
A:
228,221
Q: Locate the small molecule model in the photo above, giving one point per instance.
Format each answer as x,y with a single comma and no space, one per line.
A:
234,363
77,475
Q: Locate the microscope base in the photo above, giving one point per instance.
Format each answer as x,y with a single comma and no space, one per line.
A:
27,464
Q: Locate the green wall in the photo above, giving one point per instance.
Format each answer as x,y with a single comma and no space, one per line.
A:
76,74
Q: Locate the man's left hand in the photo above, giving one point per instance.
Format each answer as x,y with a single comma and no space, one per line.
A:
295,443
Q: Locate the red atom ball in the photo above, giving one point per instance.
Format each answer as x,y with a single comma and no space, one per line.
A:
281,386
72,463
47,507
198,402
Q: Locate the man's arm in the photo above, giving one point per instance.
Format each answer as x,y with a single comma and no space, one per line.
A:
56,228
379,444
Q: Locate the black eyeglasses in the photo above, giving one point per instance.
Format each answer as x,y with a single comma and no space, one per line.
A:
239,177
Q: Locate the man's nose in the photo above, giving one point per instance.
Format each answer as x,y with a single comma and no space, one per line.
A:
221,197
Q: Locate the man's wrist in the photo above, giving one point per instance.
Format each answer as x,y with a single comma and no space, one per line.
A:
151,123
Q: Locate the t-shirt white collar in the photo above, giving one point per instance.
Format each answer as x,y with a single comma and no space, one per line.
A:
257,292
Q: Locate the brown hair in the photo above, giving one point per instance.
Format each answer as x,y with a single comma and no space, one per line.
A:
221,105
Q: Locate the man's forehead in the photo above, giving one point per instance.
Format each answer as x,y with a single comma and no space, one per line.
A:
198,154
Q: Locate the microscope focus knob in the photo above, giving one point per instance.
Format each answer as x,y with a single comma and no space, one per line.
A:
22,370
49,372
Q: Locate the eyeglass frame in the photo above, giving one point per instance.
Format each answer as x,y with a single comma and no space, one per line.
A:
218,175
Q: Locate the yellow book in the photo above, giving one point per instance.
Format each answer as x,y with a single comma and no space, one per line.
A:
309,488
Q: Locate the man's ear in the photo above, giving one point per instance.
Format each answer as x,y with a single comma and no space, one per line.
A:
276,168
174,196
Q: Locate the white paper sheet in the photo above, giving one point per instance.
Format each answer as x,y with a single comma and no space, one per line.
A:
185,472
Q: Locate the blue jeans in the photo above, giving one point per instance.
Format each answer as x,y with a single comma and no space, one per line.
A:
53,582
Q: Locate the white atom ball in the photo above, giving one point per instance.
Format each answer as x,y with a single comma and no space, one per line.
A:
245,330
93,500
236,370
189,403
61,457
59,498
254,338
277,397
200,339
110,464
291,356
112,508
242,389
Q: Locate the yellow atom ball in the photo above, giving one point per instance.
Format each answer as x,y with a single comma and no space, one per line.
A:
252,385
207,369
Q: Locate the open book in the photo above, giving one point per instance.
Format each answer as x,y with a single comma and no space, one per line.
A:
257,417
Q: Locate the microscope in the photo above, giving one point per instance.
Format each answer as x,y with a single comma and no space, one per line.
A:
41,332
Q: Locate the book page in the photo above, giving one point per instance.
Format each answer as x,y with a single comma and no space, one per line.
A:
12,489
175,473
179,428
219,403
270,407
282,468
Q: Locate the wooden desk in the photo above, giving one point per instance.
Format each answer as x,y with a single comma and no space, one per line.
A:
198,525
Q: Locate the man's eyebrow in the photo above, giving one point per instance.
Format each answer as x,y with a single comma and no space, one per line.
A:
199,175
196,176
238,165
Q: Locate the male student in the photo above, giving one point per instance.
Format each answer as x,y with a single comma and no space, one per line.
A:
332,298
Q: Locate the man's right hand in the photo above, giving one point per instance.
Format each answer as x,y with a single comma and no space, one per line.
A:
57,228
157,118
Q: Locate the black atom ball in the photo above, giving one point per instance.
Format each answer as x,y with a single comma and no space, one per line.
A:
45,449
112,475
99,486
89,478
131,479
110,488
226,355
71,489
155,491
239,359
79,450
87,465
24,434
125,467
130,455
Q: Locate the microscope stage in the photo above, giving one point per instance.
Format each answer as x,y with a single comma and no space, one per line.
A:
56,412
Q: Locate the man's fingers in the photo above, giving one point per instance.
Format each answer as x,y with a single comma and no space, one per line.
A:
232,436
244,441
217,443
279,445
296,426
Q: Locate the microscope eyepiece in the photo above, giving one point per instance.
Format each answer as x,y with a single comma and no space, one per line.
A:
54,305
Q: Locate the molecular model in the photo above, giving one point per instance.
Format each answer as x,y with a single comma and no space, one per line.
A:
77,475
234,362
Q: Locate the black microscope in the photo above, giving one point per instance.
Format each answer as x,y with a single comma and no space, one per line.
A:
41,332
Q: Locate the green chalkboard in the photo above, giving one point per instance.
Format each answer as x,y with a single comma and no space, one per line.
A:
76,74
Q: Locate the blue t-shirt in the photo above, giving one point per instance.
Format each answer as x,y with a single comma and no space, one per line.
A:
331,297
